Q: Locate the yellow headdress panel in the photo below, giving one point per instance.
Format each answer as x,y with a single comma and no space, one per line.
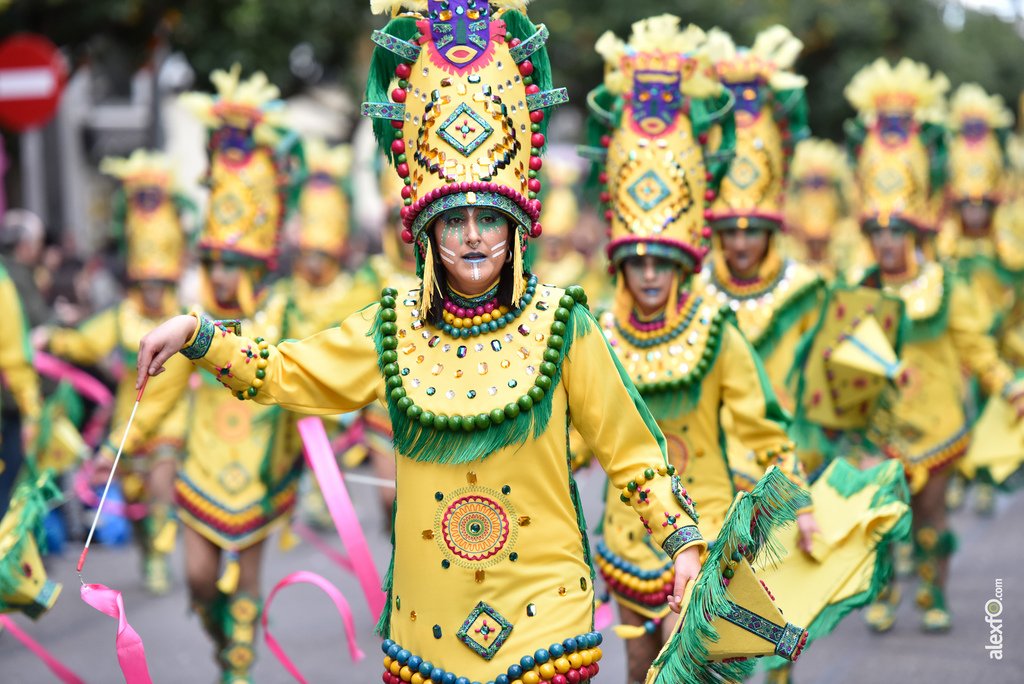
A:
655,175
820,182
976,160
324,208
751,193
909,87
151,224
246,203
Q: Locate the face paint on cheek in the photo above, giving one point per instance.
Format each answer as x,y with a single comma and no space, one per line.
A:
447,254
497,250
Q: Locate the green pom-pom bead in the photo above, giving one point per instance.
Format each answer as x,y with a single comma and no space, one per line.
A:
404,403
558,328
555,341
482,421
414,412
536,394
525,402
543,381
511,410
561,314
548,368
397,393
497,416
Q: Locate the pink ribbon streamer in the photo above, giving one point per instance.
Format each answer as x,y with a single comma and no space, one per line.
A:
134,511
355,434
339,602
56,667
131,655
603,617
86,385
339,559
320,456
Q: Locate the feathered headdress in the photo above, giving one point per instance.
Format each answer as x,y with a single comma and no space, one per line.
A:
250,104
909,87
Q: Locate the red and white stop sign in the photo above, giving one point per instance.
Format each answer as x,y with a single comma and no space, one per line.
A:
32,78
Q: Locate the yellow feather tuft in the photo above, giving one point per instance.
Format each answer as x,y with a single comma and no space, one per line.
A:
815,157
394,6
334,161
141,165
253,101
970,101
908,87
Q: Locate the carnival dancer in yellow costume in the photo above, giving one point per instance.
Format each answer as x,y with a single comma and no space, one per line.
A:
147,217
925,426
482,368
818,210
240,472
981,239
684,353
775,299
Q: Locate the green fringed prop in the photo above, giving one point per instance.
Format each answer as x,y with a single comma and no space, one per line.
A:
748,530
427,443
23,526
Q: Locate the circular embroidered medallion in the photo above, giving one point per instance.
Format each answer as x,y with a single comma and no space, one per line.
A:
476,527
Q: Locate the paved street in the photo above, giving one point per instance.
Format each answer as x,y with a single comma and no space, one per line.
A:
302,619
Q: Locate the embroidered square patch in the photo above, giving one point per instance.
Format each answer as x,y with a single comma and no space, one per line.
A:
485,631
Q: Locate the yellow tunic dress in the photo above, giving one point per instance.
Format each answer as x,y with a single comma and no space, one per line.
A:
240,473
16,352
491,560
926,427
686,381
119,330
314,308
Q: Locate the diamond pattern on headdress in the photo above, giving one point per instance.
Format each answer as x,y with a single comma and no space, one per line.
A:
743,173
465,130
648,191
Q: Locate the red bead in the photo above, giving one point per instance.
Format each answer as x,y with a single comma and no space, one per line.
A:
611,269
709,176
532,89
606,140
398,147
387,678
594,669
407,236
397,123
533,184
609,215
403,71
573,676
536,230
526,68
514,42
708,214
602,177
406,191
702,138
605,196
537,140
403,212
706,231
537,116
536,163
402,169
709,195
398,94
536,206
559,679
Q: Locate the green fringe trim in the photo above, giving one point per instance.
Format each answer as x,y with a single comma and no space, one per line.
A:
968,266
382,72
668,403
792,310
751,522
33,495
383,628
64,401
427,445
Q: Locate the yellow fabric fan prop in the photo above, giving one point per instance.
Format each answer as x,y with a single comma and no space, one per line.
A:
998,444
23,583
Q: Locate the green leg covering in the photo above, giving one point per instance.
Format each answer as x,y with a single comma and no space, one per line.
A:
985,499
239,652
955,491
211,614
931,551
156,570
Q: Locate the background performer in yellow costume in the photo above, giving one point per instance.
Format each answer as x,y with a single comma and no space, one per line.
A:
925,427
483,370
147,216
240,473
775,299
684,354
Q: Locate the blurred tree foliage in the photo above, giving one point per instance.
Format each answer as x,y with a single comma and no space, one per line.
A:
840,37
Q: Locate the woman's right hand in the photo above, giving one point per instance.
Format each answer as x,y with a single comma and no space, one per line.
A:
161,343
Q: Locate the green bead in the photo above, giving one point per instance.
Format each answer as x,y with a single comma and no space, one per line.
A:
532,174
394,381
260,373
562,314
649,474
543,381
401,159
397,393
388,315
264,353
702,366
531,195
389,329
632,486
482,421
728,573
389,342
552,355
525,402
512,410
536,394
535,128
388,302
455,423
497,416
708,353
427,419
714,328
440,422
252,391
404,403
623,498
671,469
468,423
577,293
566,302
414,412
558,328
391,369
548,368
390,356
555,341
737,556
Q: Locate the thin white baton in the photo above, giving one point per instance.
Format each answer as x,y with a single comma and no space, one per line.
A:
110,478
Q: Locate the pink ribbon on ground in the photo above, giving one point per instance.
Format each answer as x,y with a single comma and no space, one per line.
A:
320,456
339,602
339,559
131,655
135,511
56,667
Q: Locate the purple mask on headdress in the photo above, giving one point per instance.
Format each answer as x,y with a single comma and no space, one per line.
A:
975,129
750,98
656,100
460,29
236,143
895,127
148,197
